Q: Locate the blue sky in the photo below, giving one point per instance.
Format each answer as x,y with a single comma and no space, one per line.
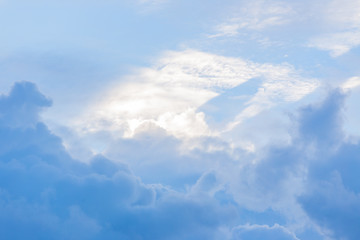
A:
168,119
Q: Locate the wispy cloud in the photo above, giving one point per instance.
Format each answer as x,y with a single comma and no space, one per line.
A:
337,43
263,232
146,6
47,194
332,26
256,16
343,21
351,83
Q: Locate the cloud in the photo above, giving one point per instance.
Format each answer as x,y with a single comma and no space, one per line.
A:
332,26
45,193
22,106
255,16
343,20
171,95
332,188
278,194
351,83
337,43
292,181
276,232
333,206
315,175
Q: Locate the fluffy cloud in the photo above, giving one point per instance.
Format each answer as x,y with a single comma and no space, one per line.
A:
257,16
292,181
175,95
283,193
313,177
44,192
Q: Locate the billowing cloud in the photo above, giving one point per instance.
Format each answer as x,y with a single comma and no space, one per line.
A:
22,107
229,138
174,95
316,173
286,192
342,21
45,193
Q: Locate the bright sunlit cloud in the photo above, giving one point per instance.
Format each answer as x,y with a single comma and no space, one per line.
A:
169,94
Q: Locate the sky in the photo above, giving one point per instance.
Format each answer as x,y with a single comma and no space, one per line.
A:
169,119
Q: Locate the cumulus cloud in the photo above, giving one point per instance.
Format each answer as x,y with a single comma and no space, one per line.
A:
44,192
332,187
282,193
351,83
315,175
279,181
22,106
175,93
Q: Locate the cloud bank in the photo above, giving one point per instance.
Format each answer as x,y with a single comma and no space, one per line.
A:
47,194
308,187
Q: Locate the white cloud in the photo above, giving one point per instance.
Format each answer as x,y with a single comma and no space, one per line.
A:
332,26
168,94
343,12
276,231
282,84
342,21
256,15
337,43
351,83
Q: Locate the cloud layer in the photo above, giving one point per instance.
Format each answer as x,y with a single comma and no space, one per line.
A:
286,193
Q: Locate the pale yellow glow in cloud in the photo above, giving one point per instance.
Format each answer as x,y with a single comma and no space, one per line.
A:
167,95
